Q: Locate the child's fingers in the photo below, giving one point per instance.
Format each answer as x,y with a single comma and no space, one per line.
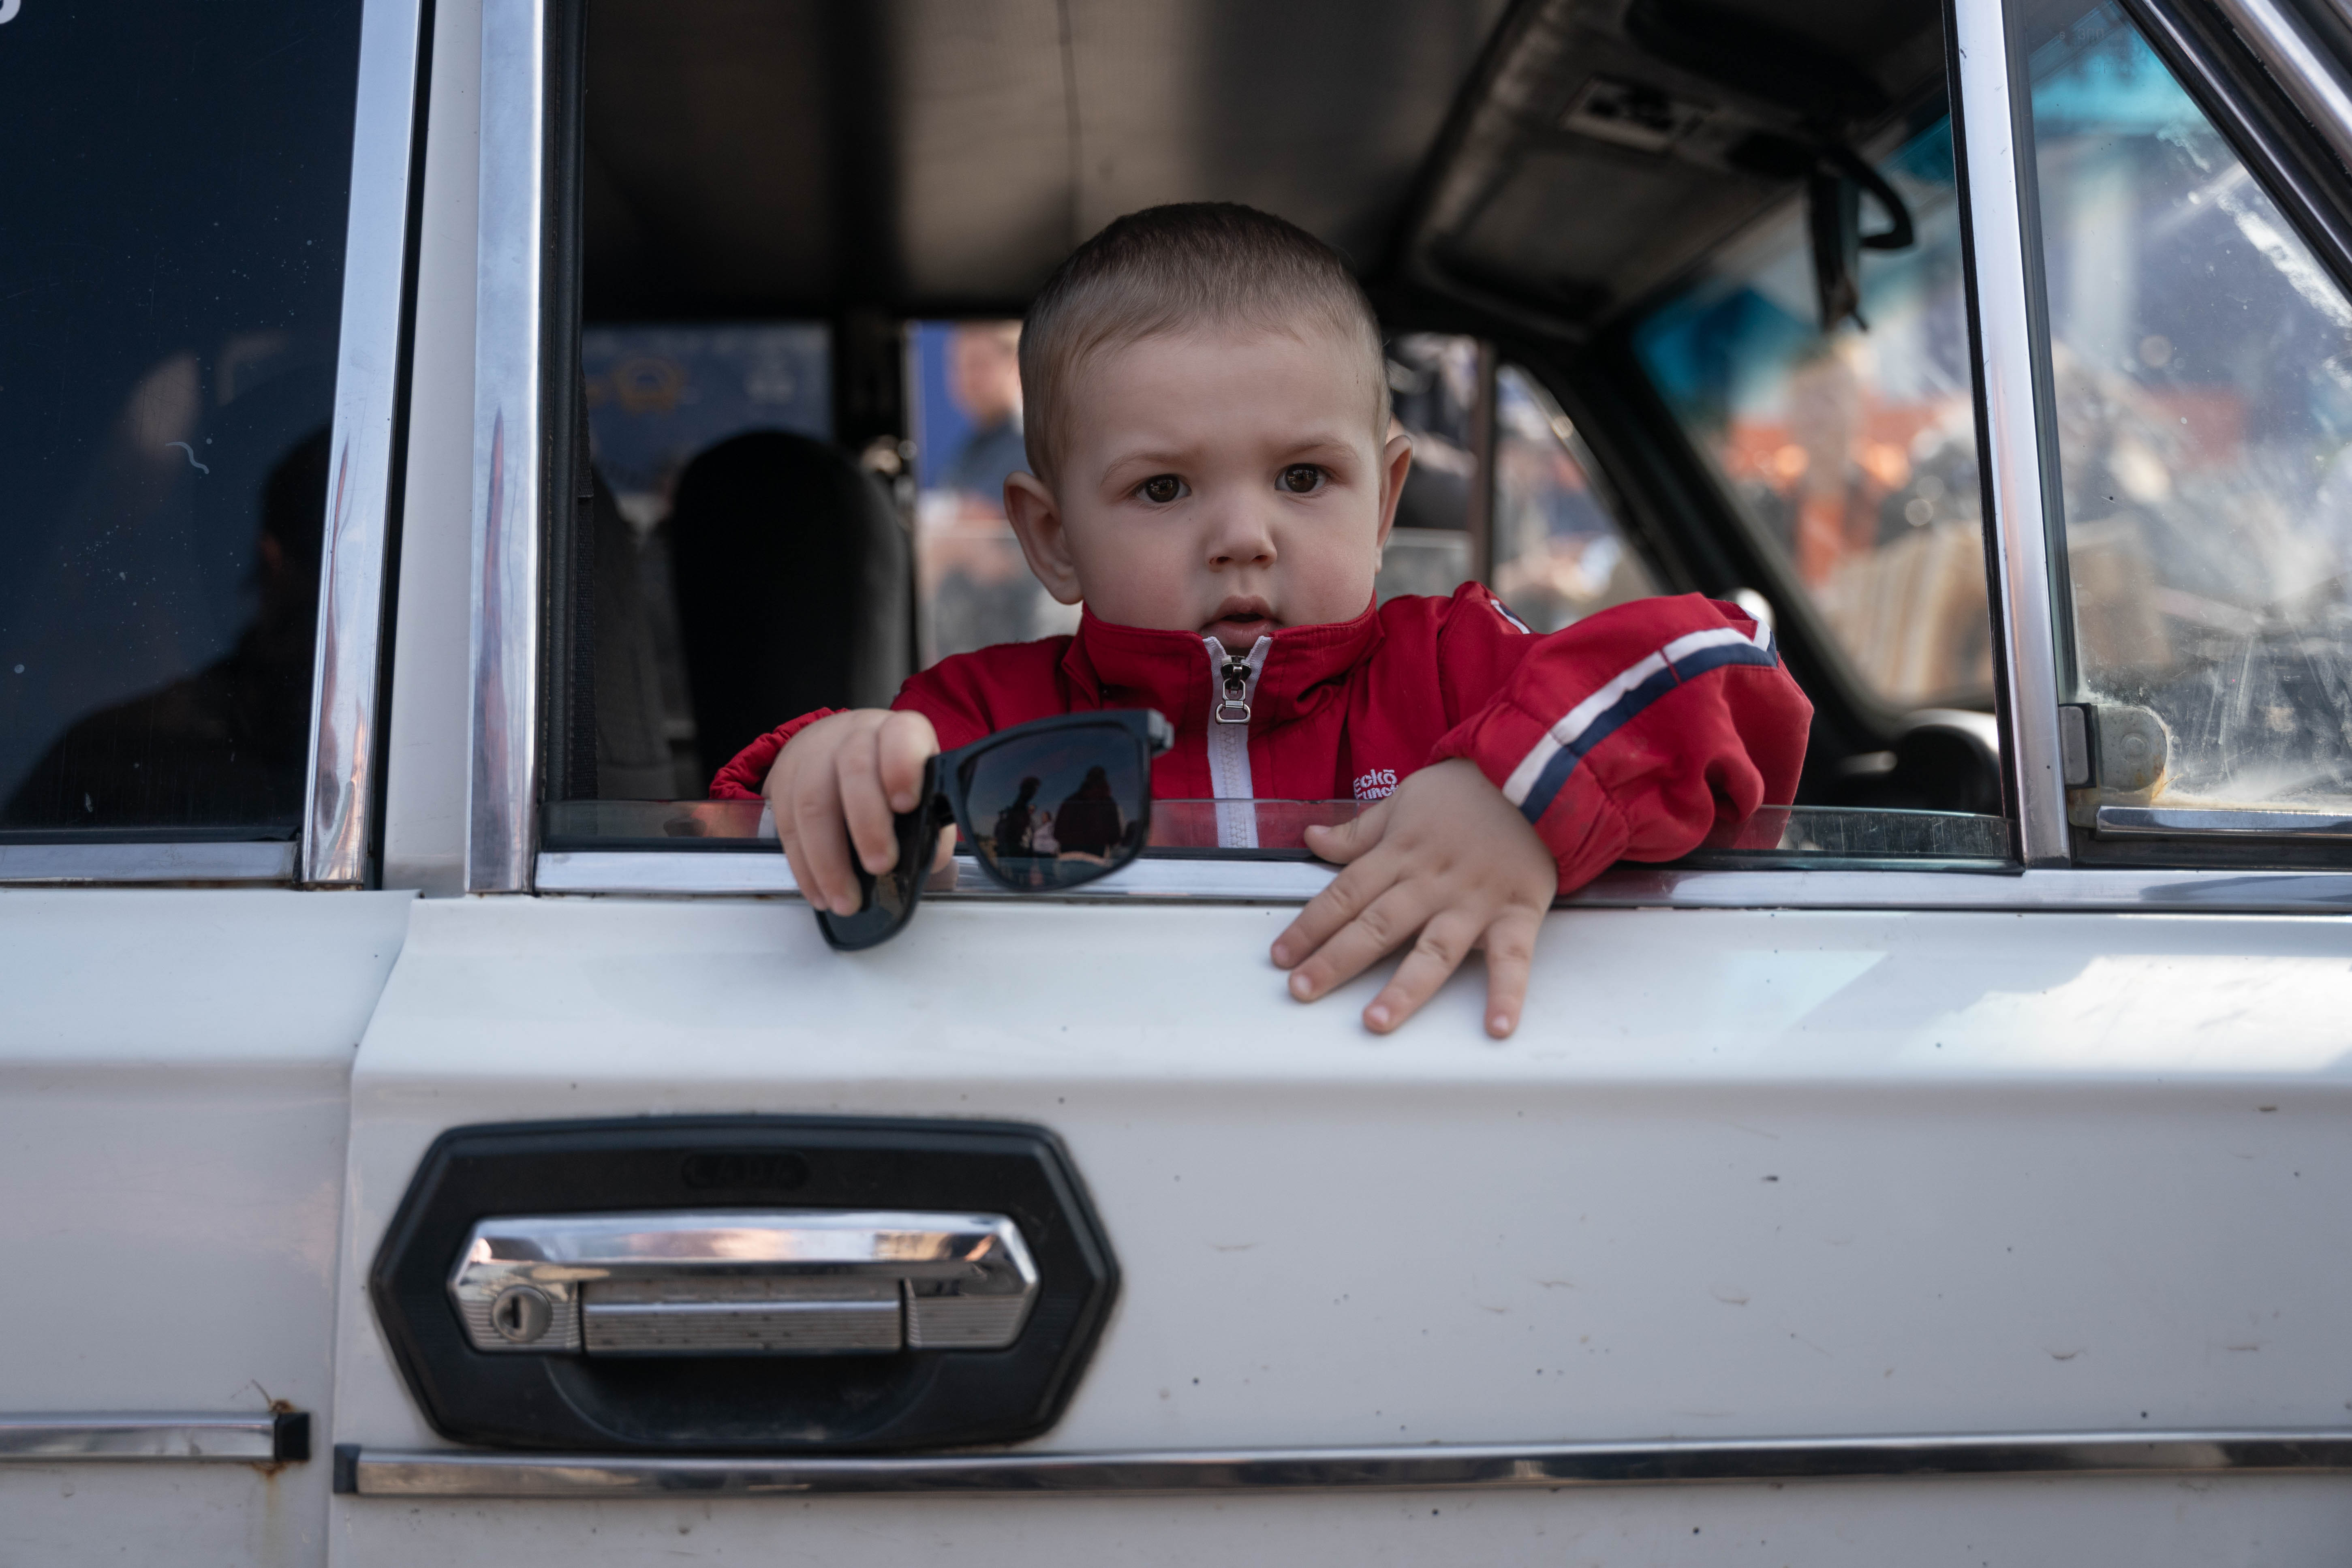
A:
1386,924
864,809
815,804
902,745
1343,843
1510,954
946,850
1444,944
1348,895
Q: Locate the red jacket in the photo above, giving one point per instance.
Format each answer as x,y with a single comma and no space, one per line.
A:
1633,734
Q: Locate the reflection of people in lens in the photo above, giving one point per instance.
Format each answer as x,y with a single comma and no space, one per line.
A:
1088,822
1017,822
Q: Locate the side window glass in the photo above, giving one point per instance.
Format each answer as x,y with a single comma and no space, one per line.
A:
172,200
2202,361
1852,452
1560,554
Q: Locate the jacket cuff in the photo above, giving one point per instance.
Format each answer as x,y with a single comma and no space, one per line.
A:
1582,827
741,778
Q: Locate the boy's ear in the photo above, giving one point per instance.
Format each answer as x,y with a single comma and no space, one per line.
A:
1396,461
1037,522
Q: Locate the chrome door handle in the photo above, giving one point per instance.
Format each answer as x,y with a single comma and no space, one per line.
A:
778,1282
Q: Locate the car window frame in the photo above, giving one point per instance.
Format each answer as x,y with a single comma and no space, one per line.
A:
523,403
336,842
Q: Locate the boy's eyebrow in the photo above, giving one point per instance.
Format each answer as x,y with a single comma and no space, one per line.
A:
1176,458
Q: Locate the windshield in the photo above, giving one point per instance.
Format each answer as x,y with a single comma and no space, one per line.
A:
1851,453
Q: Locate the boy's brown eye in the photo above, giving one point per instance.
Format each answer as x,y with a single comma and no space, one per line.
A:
1162,487
1301,478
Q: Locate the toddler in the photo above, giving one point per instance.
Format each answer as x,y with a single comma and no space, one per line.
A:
1213,477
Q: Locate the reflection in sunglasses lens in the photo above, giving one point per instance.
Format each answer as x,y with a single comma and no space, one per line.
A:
1058,809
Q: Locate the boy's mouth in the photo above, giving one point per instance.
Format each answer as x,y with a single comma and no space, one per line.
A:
1239,622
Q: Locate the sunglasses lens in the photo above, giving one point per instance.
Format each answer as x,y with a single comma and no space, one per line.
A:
1056,809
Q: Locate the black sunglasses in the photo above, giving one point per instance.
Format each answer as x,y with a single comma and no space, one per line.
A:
1044,805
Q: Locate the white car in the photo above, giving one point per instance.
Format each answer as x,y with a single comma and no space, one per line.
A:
436,435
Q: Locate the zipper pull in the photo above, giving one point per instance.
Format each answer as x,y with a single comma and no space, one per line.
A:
1234,708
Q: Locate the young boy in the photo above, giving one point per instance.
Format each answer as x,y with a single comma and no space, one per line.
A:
1213,477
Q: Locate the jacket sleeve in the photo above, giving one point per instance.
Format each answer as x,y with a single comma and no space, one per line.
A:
742,777
1634,733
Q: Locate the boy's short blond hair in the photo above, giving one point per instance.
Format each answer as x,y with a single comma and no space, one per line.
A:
1169,268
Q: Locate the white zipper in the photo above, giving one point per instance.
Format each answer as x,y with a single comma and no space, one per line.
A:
1233,686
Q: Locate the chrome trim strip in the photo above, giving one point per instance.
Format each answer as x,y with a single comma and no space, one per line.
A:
502,782
1992,143
340,787
654,873
149,863
2301,64
2173,822
150,1437
455,1473
2063,892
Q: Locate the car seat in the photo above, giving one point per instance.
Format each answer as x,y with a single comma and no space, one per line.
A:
792,583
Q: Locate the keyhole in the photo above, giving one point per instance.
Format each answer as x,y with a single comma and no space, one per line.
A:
520,1314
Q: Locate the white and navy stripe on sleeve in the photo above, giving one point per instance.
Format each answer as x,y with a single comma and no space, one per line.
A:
1536,780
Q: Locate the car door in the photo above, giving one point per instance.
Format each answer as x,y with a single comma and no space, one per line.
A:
1936,1186
200,309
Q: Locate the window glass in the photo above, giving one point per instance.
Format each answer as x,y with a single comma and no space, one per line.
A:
2202,361
972,587
1558,552
1853,452
172,220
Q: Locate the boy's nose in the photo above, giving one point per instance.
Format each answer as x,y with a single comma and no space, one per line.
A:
1240,537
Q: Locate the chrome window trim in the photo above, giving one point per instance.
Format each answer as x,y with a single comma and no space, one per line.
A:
148,863
766,872
339,786
459,1473
2302,66
2179,822
708,873
509,447
148,1436
2001,270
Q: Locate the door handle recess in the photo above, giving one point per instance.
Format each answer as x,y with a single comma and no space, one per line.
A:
739,1284
774,1282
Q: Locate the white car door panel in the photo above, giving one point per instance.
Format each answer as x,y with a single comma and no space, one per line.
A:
174,1068
1739,1176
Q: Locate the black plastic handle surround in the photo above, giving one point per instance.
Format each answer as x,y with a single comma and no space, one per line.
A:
913,1399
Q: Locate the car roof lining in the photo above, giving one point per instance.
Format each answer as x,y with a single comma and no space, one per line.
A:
752,159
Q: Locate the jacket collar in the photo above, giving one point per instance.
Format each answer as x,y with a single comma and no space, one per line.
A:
1132,666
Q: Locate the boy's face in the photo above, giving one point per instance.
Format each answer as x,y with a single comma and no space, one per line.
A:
1219,481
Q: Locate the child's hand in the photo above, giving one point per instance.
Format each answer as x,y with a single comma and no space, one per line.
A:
1445,858
840,780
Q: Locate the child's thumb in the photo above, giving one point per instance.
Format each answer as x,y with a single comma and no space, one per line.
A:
1346,840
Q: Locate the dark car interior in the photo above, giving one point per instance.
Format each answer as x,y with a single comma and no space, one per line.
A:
1534,174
